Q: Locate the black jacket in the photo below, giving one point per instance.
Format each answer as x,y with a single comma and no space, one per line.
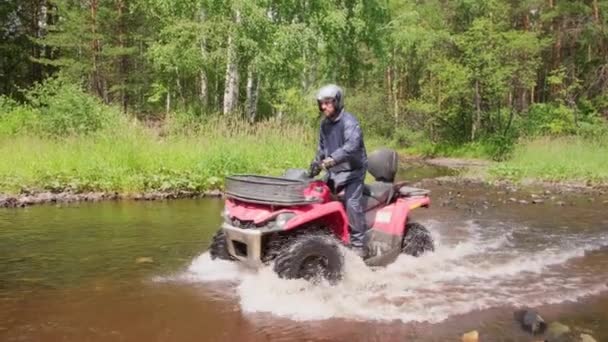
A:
342,140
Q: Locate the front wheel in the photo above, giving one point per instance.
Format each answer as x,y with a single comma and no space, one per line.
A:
417,240
219,247
310,256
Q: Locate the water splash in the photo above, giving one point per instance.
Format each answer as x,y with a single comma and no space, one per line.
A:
474,267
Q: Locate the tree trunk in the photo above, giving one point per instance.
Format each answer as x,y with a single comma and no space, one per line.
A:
596,12
557,47
180,91
123,62
168,102
216,94
531,95
556,50
253,84
600,47
396,101
204,91
395,92
231,89
304,76
389,84
477,119
39,27
96,81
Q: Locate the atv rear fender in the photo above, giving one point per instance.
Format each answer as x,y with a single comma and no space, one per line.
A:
331,214
392,218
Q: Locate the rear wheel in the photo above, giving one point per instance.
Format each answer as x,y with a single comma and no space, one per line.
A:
310,257
417,240
219,247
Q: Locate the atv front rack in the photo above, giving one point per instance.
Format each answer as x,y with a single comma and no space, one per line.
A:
277,191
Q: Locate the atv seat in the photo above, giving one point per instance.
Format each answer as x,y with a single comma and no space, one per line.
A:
376,194
380,191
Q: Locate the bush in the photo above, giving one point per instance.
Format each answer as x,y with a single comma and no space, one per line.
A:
61,108
15,119
548,119
294,106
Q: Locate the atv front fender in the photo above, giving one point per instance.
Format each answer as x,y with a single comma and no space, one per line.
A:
331,214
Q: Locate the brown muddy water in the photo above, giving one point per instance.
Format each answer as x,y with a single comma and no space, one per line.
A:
138,271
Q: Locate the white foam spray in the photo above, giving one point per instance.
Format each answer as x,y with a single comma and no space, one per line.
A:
473,267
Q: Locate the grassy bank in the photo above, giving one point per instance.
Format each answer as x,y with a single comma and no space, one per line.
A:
557,159
137,159
63,139
131,158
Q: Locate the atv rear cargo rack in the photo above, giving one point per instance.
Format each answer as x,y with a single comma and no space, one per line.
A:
267,190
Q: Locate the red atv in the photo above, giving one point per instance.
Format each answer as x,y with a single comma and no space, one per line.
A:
297,223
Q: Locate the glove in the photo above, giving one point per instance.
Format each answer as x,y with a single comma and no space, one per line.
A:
315,169
328,163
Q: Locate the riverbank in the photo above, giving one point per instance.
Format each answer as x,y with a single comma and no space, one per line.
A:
136,162
141,160
24,200
565,164
528,192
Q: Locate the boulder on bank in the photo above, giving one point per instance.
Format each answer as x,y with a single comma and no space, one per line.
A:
472,336
530,321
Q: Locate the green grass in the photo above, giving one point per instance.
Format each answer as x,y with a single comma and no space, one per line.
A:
557,159
131,158
137,159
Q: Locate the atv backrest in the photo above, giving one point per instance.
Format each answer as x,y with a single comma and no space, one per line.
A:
383,164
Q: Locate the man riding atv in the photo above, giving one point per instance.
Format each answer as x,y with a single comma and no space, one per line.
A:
341,151
298,223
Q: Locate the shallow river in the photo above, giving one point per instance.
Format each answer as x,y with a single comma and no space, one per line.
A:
139,271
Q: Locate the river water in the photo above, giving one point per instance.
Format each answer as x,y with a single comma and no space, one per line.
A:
139,271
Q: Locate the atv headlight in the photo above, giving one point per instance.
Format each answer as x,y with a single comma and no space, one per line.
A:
282,219
226,213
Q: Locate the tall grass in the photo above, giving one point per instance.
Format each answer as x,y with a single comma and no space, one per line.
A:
557,159
134,158
63,139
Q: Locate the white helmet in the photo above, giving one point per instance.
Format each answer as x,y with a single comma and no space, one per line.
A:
331,91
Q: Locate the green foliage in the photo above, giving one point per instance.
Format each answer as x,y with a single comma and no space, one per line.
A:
134,159
370,108
62,108
15,119
558,119
463,77
407,138
56,108
547,119
296,107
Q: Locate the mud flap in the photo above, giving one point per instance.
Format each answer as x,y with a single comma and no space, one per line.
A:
382,248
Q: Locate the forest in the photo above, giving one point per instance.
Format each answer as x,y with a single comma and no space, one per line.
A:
183,86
